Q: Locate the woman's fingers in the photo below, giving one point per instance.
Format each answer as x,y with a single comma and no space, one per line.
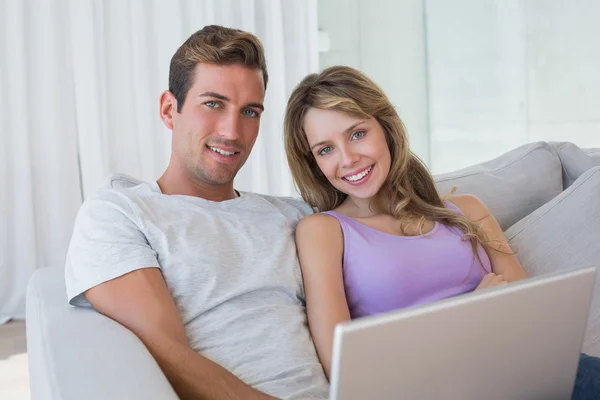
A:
491,280
488,279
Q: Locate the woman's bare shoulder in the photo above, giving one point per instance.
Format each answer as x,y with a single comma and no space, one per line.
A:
471,206
315,223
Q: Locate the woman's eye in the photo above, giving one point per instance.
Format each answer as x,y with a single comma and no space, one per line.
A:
358,135
250,113
325,150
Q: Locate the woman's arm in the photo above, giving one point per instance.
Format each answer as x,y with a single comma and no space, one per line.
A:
320,246
504,262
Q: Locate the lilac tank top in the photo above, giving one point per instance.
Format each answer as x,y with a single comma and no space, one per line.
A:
384,272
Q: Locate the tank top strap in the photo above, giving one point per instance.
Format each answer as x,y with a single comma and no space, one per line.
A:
337,215
344,220
347,223
451,206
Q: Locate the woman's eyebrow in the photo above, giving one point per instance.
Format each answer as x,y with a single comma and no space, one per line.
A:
347,130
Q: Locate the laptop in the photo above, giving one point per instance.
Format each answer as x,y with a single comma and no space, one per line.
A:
520,341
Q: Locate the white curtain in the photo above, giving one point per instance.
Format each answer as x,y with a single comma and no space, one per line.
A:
40,191
81,81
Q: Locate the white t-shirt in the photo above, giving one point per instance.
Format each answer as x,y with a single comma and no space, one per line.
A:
230,266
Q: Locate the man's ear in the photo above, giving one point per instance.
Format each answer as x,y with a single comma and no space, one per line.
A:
168,106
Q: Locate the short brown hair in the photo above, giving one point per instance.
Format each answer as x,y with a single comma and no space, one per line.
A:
218,45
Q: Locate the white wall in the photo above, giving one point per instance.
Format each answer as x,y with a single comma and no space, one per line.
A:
384,39
564,70
475,78
506,72
477,88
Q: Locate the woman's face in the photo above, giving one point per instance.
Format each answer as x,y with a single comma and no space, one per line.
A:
351,152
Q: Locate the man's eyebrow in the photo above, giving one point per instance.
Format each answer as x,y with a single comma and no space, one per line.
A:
347,130
225,98
215,95
256,105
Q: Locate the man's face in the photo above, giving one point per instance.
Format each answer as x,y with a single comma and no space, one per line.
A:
218,123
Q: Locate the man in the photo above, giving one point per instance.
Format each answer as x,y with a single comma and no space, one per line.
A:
205,276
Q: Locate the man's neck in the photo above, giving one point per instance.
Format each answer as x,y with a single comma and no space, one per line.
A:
176,183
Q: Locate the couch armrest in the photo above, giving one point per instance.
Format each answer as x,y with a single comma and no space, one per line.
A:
77,353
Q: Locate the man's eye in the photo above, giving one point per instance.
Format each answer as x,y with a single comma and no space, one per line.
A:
358,135
212,104
250,113
325,150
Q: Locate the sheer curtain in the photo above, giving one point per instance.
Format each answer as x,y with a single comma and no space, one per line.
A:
81,81
39,187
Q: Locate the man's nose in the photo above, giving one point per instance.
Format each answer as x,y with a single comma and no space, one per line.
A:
229,126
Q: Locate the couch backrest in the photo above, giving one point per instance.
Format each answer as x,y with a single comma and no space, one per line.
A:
575,161
511,185
121,181
594,154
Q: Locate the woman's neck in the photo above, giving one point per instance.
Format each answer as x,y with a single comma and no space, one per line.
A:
358,208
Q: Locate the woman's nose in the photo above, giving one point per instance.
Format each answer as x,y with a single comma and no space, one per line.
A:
349,158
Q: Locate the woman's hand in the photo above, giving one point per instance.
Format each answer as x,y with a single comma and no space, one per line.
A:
491,280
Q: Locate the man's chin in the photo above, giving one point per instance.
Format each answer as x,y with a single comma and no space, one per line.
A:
215,173
217,178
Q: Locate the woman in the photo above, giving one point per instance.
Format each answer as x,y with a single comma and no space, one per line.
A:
384,238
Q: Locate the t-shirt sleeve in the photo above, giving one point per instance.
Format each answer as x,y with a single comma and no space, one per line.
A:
107,242
304,208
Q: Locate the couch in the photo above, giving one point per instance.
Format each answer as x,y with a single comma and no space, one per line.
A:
544,195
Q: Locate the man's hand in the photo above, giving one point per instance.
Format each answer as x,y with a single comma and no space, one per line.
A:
491,280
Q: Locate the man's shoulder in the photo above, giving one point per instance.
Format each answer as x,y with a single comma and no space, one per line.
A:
286,202
116,197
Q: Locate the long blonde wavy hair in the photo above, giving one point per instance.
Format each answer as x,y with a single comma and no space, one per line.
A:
408,192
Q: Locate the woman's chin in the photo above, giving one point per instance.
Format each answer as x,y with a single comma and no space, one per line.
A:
362,195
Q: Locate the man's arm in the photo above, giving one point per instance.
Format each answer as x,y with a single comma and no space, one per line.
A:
141,302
